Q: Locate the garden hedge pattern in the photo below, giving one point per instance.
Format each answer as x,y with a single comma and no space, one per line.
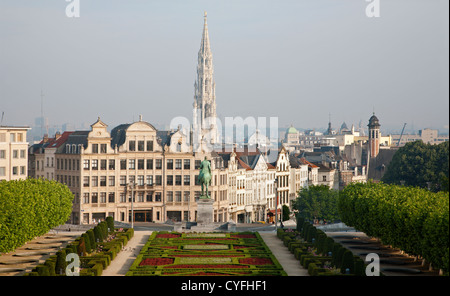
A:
190,254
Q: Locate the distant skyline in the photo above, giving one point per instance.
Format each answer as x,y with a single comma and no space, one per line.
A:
297,60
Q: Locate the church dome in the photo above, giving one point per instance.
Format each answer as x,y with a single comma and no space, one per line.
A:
292,130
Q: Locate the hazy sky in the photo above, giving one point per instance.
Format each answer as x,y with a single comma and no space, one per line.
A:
299,60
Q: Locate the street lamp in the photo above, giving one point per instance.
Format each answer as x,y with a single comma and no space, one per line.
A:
132,185
276,207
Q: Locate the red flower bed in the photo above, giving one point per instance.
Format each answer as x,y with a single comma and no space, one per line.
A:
206,266
167,235
256,261
156,261
209,239
169,247
213,256
244,235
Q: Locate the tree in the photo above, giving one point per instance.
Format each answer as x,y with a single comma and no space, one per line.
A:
420,164
286,212
317,202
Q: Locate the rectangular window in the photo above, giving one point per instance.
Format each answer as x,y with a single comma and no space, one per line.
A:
102,197
132,146
131,179
178,180
149,145
140,164
157,196
169,180
170,164
149,164
141,180
112,164
149,197
158,180
94,197
112,181
158,164
15,171
103,148
170,196
103,181
22,170
123,180
122,197
178,196
123,164
22,154
15,153
140,145
111,197
2,154
197,164
85,198
149,180
131,164
2,171
95,164
94,148
94,181
186,195
187,180
187,164
178,163
86,181
103,164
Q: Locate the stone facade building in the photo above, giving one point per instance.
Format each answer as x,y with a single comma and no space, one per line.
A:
13,152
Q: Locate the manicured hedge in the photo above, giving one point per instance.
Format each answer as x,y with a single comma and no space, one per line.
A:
311,246
92,263
30,208
414,220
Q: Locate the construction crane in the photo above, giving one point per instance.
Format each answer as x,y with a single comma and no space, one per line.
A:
403,129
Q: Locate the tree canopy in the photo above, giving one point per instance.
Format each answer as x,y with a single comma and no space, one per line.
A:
317,202
418,163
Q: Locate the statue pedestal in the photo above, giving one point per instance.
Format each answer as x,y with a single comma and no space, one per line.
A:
205,215
205,211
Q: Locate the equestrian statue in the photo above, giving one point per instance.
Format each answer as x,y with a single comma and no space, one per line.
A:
204,178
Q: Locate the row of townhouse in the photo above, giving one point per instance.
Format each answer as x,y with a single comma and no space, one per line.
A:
104,170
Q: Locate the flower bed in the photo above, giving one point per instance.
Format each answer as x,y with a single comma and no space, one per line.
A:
183,254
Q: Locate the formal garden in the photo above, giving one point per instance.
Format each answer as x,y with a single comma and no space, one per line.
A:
205,254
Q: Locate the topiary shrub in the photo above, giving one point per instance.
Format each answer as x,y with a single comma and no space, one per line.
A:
348,261
87,242
98,234
81,247
110,223
92,241
42,270
61,264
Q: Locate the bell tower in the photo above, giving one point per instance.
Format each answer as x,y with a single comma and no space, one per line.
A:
374,136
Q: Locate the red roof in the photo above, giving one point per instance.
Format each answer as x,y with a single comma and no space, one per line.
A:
304,161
